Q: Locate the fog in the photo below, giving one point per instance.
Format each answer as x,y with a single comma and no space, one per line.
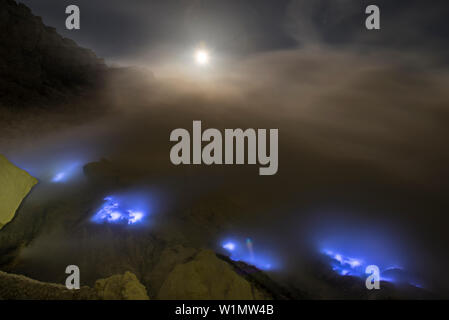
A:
362,154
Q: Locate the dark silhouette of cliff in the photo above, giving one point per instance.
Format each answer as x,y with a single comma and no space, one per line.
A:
37,65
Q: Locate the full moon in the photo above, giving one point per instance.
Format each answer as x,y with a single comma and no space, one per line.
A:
202,57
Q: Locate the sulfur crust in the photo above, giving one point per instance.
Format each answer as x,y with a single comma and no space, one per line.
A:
15,184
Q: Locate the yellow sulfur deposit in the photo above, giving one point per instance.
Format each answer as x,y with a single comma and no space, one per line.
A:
15,184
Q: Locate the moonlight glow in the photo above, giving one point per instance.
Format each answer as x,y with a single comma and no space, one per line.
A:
202,57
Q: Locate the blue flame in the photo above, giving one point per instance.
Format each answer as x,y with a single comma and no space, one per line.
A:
115,211
243,251
230,246
344,265
67,172
59,177
351,244
349,266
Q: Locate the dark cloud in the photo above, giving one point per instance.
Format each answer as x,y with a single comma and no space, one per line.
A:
405,25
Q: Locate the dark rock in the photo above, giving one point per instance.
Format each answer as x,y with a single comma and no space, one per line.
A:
263,282
17,287
116,287
37,65
121,287
206,277
102,172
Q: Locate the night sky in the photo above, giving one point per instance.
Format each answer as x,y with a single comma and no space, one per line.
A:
123,29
